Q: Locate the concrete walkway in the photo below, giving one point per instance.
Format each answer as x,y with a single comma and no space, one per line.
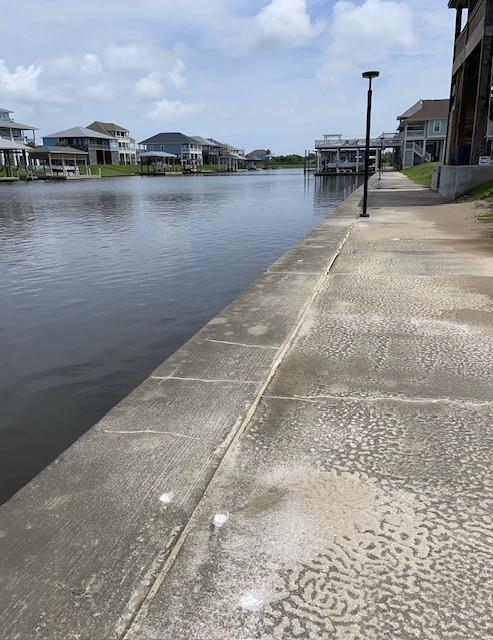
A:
315,463
358,503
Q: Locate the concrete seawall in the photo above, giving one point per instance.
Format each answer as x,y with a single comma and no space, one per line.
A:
82,545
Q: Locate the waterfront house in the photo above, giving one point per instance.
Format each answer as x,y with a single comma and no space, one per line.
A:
423,129
186,148
211,150
127,148
259,156
102,148
470,120
15,131
231,158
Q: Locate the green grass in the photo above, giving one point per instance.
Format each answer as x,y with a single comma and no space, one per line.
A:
480,193
421,173
113,170
212,168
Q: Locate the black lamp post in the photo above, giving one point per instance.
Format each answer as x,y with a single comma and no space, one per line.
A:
368,75
380,164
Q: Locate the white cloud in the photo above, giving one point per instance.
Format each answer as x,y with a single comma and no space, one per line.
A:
91,64
366,34
150,86
130,57
98,91
20,80
285,22
156,83
176,76
174,109
23,84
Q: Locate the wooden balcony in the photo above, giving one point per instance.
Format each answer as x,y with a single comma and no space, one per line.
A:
470,36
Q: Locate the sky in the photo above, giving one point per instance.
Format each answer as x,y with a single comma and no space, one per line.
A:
254,73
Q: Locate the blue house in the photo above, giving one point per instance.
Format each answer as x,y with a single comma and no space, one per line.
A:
102,148
186,148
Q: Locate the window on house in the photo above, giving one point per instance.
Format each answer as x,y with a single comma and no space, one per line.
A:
437,126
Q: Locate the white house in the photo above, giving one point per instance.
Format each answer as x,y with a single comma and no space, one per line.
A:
423,129
15,131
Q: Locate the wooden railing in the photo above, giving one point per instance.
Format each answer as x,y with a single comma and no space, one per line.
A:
476,17
460,43
473,22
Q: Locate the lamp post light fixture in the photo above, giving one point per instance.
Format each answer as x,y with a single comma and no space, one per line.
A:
368,75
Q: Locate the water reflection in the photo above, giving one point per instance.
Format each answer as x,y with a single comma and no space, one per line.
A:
101,281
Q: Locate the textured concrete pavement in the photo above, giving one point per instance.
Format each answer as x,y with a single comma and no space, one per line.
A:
314,464
357,504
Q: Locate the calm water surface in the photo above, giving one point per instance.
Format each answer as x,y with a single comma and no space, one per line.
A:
101,281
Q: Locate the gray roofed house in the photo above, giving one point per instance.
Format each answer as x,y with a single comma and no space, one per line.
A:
211,150
188,149
13,130
259,154
222,145
127,148
423,130
106,127
79,132
169,138
102,148
203,141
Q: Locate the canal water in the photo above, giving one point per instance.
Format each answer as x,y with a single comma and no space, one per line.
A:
100,281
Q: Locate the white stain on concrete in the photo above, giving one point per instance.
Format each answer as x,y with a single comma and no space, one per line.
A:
166,498
220,519
258,330
252,601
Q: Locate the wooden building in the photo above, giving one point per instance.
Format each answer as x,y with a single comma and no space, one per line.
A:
470,130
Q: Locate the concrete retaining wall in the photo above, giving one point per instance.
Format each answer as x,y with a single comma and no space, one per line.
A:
452,182
83,543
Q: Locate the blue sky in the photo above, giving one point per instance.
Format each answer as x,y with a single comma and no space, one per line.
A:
256,73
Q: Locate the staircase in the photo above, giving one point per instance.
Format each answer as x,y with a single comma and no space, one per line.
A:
421,152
